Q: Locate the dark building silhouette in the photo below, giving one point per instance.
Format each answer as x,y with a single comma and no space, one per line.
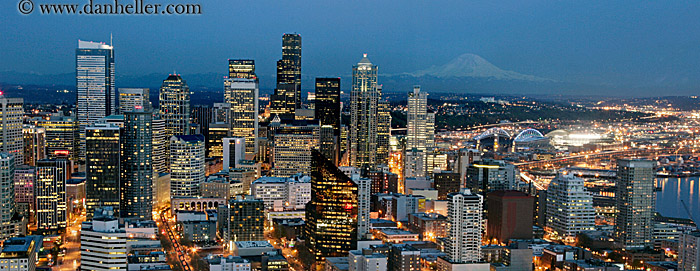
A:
509,215
327,111
287,96
102,152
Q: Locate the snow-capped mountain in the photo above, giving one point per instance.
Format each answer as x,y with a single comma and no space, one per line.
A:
471,65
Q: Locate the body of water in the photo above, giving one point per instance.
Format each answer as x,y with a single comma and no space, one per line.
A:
668,200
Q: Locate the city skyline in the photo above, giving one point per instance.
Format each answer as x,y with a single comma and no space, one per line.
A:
548,41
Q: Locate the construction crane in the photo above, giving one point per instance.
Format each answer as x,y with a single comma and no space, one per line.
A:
697,227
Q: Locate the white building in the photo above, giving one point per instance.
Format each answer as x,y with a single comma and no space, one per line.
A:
569,207
280,193
229,263
420,124
94,72
103,243
365,260
464,213
414,164
187,169
364,187
11,140
689,251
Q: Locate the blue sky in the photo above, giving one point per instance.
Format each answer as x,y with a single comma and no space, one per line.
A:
598,42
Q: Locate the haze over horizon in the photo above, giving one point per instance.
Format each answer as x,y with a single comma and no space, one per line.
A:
650,45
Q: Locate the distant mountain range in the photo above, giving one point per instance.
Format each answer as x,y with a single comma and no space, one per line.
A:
468,73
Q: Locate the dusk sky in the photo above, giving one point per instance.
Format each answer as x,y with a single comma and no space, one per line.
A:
598,42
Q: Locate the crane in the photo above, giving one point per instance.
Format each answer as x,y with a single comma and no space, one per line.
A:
697,227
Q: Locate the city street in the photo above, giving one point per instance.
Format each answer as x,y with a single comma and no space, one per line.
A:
71,261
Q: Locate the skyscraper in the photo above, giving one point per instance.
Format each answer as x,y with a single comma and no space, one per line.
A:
34,144
136,165
569,207
242,95
133,98
287,96
327,111
175,105
242,68
62,136
202,116
419,134
159,142
332,213
7,195
635,201
291,152
364,101
464,214
94,71
689,251
102,153
383,131
11,141
51,178
233,152
187,169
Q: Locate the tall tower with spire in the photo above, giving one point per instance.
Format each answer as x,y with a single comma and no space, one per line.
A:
364,102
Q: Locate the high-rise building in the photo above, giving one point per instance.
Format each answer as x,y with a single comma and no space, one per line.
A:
187,168
160,162
62,136
175,105
51,176
202,116
102,153
214,144
383,131
291,152
11,140
7,195
689,251
137,165
24,190
134,98
327,111
242,68
569,208
242,219
464,213
491,175
635,201
364,102
364,186
34,144
331,215
509,215
287,96
94,72
103,243
242,95
233,152
418,133
383,181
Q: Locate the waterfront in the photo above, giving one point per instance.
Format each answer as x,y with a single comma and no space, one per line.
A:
673,190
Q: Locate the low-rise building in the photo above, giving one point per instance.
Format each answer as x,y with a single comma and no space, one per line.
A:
20,253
